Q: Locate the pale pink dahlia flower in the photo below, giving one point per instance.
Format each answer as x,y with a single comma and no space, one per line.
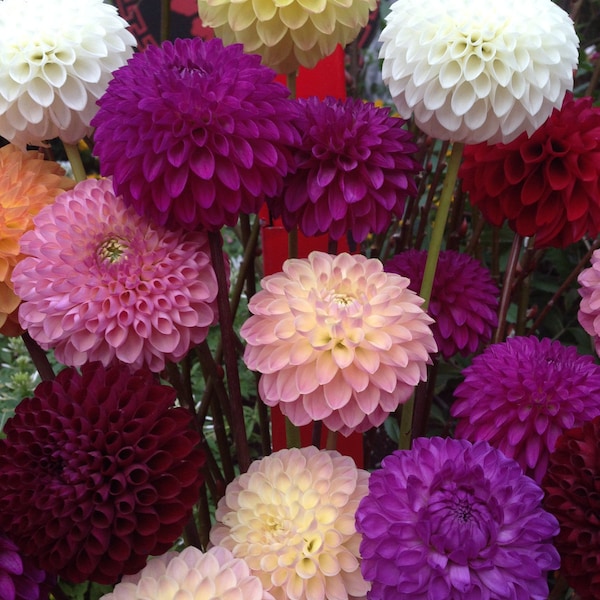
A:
338,340
589,309
291,517
102,282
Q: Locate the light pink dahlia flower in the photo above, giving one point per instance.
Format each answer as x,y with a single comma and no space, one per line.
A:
102,282
338,340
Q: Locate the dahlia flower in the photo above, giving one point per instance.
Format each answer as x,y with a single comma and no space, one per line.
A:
478,72
463,301
338,340
287,34
194,133
521,394
353,170
101,281
97,472
291,518
454,520
589,280
545,185
27,183
213,575
572,486
55,61
19,578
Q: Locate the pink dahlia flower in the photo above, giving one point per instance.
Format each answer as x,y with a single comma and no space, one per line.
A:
97,472
353,170
589,309
102,282
463,301
453,520
337,339
194,133
522,394
291,518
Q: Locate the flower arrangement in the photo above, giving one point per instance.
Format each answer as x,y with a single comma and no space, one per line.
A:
399,401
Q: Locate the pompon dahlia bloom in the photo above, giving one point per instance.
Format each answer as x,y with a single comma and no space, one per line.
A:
589,308
520,395
102,282
353,170
212,575
338,340
454,520
194,133
55,61
463,301
545,185
27,184
291,518
97,472
287,34
478,72
572,486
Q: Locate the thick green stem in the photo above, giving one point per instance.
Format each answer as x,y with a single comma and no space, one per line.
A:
292,434
76,163
39,358
165,20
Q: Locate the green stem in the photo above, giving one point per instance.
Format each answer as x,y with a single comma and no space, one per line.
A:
39,358
165,20
292,434
74,157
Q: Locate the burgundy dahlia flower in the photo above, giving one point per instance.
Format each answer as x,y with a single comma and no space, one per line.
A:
544,185
97,472
194,133
522,394
454,520
463,301
353,170
572,486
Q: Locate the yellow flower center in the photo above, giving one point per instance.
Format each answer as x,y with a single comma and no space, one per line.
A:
112,249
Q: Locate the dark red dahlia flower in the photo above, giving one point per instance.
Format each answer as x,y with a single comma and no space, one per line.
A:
353,170
546,185
572,486
194,133
97,472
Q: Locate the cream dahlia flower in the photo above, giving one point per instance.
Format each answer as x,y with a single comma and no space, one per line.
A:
478,71
338,340
56,58
291,517
287,33
213,575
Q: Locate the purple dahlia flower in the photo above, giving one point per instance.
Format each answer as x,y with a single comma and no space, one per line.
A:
520,395
194,133
463,301
353,170
454,520
97,472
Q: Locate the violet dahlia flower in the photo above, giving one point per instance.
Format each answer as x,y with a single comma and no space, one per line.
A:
454,520
194,133
522,394
337,339
97,472
291,518
353,170
102,282
463,301
572,486
589,308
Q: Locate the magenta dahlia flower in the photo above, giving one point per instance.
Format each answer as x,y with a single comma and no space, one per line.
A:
463,301
520,395
194,133
102,282
97,472
337,339
353,170
572,486
454,520
589,308
544,185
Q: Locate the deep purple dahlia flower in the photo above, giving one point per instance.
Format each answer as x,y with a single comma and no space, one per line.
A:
194,133
572,486
454,520
520,395
353,170
97,472
463,301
